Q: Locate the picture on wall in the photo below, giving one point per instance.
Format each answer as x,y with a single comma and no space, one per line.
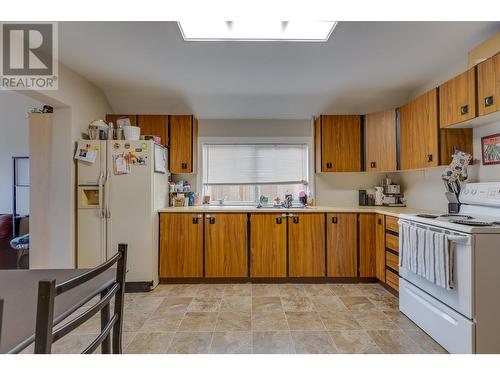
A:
490,149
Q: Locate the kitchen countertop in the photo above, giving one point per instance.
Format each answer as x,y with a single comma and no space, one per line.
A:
391,211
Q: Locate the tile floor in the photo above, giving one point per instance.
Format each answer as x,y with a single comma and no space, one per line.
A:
262,318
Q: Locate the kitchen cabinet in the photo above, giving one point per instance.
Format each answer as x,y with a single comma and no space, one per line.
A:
113,118
181,245
419,141
457,99
342,244
226,245
183,133
380,247
488,85
268,248
367,233
338,143
392,279
154,125
380,141
306,245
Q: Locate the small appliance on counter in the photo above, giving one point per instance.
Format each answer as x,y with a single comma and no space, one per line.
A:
392,195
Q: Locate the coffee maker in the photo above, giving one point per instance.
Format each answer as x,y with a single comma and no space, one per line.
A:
392,194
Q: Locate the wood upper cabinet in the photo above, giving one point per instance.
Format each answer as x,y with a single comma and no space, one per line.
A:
183,143
367,255
113,118
488,85
181,245
226,245
380,247
306,245
457,99
380,141
342,245
419,132
268,245
454,139
338,143
154,125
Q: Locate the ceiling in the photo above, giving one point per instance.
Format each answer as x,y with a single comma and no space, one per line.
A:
146,67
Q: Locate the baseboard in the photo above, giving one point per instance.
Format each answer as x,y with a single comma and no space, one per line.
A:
270,280
138,286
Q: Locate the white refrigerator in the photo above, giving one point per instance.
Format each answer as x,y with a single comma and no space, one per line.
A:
118,202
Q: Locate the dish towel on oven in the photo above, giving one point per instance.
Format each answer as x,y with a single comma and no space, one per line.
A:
428,254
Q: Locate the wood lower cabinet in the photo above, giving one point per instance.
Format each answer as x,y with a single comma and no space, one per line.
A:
306,245
226,245
114,118
183,143
367,256
488,85
154,125
338,143
181,245
380,141
419,141
268,246
380,247
457,99
342,245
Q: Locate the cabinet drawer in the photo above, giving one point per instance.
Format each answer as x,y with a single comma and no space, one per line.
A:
391,223
392,279
392,260
392,242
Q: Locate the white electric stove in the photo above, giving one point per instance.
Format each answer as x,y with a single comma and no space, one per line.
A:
465,319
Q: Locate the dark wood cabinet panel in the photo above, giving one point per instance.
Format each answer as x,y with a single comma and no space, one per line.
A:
306,245
488,85
226,245
380,141
156,125
342,245
367,234
457,99
419,144
181,245
268,245
183,143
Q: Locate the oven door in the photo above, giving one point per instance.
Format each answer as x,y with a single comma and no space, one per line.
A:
460,297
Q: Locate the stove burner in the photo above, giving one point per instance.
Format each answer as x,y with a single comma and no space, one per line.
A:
457,216
427,216
472,223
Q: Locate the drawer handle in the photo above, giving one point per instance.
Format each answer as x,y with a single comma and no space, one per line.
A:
334,220
329,165
488,101
278,220
464,109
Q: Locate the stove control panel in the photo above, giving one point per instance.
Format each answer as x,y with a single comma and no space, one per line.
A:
481,193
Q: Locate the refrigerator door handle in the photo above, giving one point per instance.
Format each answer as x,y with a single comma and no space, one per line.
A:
101,198
106,192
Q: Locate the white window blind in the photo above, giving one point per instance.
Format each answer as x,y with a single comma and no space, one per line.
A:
239,164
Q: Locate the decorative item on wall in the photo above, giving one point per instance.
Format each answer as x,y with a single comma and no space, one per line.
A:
490,149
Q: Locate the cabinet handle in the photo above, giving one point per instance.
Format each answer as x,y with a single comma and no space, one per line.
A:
295,219
211,220
429,157
184,165
278,220
373,164
329,165
379,221
334,220
195,220
464,110
488,101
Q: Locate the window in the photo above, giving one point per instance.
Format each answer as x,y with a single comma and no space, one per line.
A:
241,173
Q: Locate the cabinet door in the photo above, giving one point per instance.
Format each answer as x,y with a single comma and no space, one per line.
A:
268,245
181,245
342,245
457,99
154,125
419,132
380,141
113,118
454,139
488,85
340,143
226,245
182,133
380,247
367,230
306,245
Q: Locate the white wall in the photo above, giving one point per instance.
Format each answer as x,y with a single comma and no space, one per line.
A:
13,142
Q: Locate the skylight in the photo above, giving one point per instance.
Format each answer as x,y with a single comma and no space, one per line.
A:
312,31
